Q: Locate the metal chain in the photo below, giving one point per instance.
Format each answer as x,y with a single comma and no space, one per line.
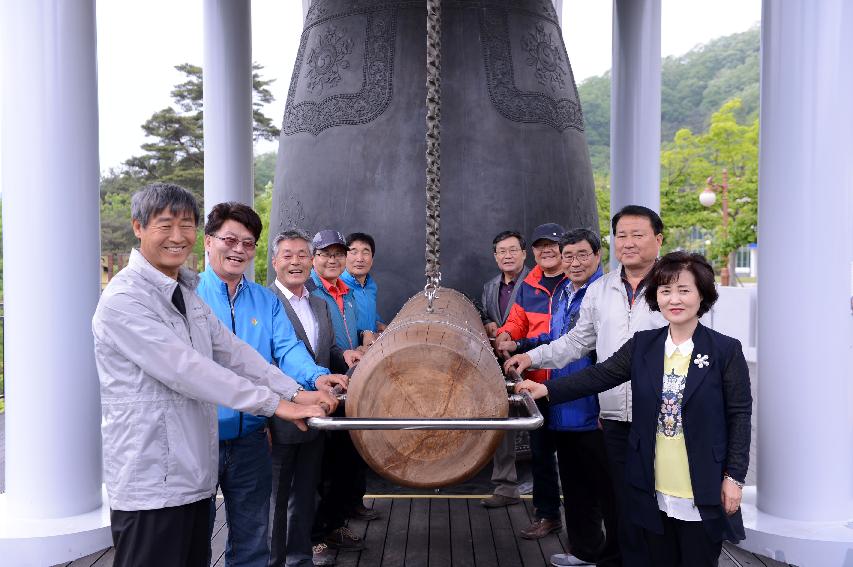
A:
433,151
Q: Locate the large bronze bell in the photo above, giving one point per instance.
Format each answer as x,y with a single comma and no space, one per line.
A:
513,151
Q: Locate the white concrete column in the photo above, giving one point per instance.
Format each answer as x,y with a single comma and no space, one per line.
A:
227,74
635,105
51,267
806,211
805,327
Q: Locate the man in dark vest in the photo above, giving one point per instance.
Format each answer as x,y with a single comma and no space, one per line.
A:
298,455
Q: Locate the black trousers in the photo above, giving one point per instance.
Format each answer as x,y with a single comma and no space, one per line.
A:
344,483
632,542
543,464
166,537
682,544
588,496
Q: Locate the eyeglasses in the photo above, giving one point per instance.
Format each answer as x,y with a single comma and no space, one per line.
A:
507,252
231,242
302,256
334,255
580,257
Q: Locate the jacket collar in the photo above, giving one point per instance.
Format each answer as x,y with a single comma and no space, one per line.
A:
158,279
598,273
319,284
654,360
352,281
701,347
535,275
211,276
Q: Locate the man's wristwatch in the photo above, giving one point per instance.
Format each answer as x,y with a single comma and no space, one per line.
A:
296,393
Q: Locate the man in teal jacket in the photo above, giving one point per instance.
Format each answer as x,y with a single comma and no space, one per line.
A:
255,315
362,249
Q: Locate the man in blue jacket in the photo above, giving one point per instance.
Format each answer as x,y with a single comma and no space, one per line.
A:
360,253
344,482
573,427
255,315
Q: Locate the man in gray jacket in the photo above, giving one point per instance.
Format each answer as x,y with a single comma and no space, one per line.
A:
613,309
164,361
499,293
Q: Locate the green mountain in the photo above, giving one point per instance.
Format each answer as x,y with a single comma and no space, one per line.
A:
693,86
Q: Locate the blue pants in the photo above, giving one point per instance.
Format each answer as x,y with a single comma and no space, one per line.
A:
245,478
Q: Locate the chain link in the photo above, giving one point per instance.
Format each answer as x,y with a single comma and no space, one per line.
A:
433,152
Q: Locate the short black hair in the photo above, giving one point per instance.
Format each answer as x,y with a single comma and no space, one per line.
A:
157,197
362,237
235,211
666,271
508,234
638,211
575,235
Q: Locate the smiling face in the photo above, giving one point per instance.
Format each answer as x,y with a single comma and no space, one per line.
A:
579,262
510,255
167,240
679,300
547,256
292,264
636,245
359,259
231,257
329,262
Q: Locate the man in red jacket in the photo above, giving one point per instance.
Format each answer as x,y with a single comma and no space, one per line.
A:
530,317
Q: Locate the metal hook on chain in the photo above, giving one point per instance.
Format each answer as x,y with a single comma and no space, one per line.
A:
431,289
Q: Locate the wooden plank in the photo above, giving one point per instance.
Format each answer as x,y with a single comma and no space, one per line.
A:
770,562
726,561
741,556
552,543
461,542
359,528
89,560
485,554
530,550
375,536
106,560
394,554
439,533
417,544
217,545
219,519
506,544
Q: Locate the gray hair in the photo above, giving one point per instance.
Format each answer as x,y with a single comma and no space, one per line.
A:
292,234
157,197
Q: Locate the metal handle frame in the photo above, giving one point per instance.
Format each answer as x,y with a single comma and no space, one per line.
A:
533,420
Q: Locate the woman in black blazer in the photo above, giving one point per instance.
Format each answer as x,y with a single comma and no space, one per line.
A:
689,439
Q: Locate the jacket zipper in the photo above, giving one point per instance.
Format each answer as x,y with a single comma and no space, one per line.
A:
234,330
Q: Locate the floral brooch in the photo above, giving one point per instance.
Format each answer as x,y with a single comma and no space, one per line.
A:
701,360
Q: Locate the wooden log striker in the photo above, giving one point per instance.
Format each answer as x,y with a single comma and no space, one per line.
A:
435,365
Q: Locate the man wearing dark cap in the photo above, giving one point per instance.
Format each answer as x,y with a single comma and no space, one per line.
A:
344,482
530,317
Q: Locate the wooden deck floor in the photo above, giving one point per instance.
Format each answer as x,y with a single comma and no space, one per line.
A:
441,532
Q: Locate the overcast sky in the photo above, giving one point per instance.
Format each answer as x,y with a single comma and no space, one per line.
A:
139,43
